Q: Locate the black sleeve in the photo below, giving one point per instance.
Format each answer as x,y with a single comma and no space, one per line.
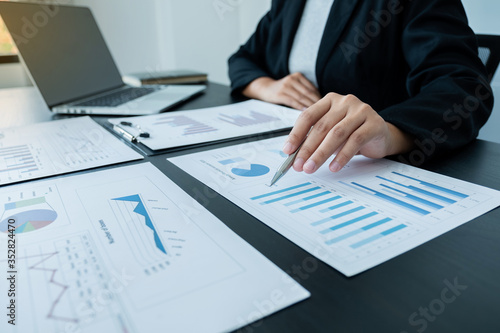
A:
249,62
450,97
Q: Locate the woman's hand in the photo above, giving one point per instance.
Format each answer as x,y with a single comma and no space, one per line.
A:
346,126
293,90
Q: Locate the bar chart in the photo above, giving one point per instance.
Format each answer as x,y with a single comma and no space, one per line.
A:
353,220
253,118
57,147
189,125
408,193
17,160
339,219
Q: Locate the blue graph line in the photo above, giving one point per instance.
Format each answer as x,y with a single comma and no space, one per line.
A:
414,197
141,210
314,204
308,198
422,191
290,195
436,187
340,205
377,236
394,200
280,191
334,217
357,231
345,224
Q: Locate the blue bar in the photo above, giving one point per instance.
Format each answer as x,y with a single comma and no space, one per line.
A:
308,198
334,217
24,163
17,168
415,198
376,224
10,205
434,195
314,204
10,153
344,236
417,189
28,154
336,206
34,169
393,230
345,224
280,191
436,187
13,147
366,241
377,236
395,201
290,195
231,161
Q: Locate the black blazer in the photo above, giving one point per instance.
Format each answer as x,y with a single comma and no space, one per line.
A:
415,62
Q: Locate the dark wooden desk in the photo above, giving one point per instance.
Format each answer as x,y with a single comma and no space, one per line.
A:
383,299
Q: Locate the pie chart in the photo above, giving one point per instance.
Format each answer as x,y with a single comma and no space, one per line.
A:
29,220
256,170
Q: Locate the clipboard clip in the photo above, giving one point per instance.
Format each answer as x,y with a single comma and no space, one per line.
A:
119,128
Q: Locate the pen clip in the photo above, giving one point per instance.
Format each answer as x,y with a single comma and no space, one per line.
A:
124,133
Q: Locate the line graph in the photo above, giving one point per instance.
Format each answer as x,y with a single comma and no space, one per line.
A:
52,280
141,210
64,279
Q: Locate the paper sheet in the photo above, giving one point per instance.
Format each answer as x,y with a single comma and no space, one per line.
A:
126,250
370,212
57,147
181,128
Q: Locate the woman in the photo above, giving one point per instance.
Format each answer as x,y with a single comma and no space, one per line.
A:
397,77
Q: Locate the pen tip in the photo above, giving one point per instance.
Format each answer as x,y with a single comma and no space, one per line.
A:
275,179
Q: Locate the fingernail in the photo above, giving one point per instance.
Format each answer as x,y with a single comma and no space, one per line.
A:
287,149
298,164
335,167
310,166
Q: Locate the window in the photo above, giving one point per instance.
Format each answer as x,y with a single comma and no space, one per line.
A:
6,45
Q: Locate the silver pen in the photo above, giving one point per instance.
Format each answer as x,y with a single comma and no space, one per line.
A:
287,164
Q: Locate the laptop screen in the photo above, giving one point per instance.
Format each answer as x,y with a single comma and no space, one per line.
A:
63,49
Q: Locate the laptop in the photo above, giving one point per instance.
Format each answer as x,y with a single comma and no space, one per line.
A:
69,62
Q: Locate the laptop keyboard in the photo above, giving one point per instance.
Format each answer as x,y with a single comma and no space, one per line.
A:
119,97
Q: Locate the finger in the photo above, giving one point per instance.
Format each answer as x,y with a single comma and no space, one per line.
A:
332,141
309,86
306,88
353,145
304,123
293,91
292,102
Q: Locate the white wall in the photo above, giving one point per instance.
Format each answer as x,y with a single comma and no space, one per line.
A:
207,32
130,30
484,19
151,35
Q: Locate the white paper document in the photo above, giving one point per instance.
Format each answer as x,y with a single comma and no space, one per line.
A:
368,213
126,250
57,147
182,128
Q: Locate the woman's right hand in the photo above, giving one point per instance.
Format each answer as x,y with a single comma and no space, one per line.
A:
293,90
